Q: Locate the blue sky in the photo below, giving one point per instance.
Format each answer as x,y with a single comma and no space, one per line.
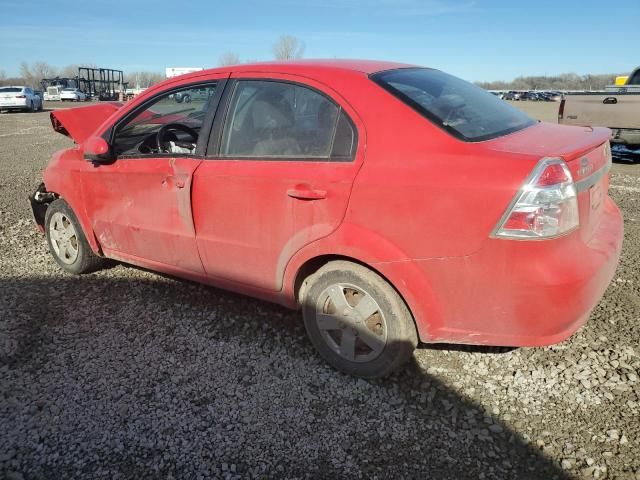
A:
474,39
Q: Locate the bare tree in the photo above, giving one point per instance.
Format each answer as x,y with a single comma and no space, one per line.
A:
288,48
229,58
143,79
3,75
32,74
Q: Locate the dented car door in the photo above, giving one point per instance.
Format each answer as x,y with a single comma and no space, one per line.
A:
140,204
140,208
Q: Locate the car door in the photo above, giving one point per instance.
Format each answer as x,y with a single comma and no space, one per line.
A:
140,205
29,97
278,175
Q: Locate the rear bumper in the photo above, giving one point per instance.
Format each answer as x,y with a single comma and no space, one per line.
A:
20,104
518,293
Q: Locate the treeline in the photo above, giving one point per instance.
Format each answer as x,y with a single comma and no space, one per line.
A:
285,48
31,75
564,81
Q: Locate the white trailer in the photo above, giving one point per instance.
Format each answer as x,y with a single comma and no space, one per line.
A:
175,71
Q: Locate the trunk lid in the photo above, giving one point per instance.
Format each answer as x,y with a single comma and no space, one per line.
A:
587,153
81,122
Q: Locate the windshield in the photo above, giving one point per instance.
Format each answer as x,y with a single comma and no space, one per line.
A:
10,90
466,111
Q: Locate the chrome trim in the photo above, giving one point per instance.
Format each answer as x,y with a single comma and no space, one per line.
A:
591,180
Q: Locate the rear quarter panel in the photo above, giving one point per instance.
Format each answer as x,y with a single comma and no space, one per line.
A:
427,192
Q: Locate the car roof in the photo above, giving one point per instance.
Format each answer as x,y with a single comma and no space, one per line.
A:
366,67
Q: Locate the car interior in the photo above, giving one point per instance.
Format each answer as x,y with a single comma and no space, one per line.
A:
170,125
265,119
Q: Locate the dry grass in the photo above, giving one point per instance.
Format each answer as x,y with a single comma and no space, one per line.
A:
545,111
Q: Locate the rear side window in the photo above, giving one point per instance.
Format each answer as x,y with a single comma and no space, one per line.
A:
270,119
464,110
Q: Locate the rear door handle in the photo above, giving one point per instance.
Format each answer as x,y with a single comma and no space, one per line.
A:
303,192
610,100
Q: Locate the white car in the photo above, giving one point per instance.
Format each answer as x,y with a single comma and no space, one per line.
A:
72,94
19,98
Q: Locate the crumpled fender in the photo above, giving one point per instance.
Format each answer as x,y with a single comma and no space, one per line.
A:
63,178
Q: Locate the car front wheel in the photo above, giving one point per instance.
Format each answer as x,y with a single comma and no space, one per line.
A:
357,321
67,242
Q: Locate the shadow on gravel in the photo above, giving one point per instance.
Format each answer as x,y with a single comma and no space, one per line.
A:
247,379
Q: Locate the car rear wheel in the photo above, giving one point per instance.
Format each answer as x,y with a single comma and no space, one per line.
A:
357,321
67,242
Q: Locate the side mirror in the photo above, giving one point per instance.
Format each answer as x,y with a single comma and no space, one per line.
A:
97,150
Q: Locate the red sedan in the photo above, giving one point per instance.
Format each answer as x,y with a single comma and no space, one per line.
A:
391,203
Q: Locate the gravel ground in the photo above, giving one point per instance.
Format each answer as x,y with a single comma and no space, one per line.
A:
128,374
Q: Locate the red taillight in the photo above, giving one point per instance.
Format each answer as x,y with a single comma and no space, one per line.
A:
552,175
520,221
561,110
20,96
545,207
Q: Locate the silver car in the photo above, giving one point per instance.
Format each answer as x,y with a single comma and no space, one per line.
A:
19,98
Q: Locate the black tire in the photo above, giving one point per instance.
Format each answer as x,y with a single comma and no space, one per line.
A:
84,260
392,321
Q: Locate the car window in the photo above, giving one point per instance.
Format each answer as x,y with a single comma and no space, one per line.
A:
185,108
270,119
466,111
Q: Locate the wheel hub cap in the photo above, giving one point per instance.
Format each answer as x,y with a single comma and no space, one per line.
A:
64,239
351,322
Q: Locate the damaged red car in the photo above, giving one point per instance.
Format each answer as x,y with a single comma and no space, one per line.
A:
392,204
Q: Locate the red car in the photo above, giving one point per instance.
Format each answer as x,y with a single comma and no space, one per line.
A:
391,203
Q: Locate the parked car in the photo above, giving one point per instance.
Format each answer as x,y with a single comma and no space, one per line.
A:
390,203
19,98
554,96
618,110
72,94
531,96
511,96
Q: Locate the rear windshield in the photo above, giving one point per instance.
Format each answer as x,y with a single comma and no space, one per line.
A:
10,90
466,111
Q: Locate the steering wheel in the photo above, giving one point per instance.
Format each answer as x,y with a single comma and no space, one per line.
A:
162,133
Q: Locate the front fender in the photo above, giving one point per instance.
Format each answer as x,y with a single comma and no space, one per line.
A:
62,177
379,254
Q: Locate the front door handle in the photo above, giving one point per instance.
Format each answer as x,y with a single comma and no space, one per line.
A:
610,101
304,192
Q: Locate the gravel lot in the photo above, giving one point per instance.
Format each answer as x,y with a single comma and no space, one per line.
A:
128,374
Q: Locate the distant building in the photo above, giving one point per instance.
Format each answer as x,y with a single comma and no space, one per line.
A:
175,71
